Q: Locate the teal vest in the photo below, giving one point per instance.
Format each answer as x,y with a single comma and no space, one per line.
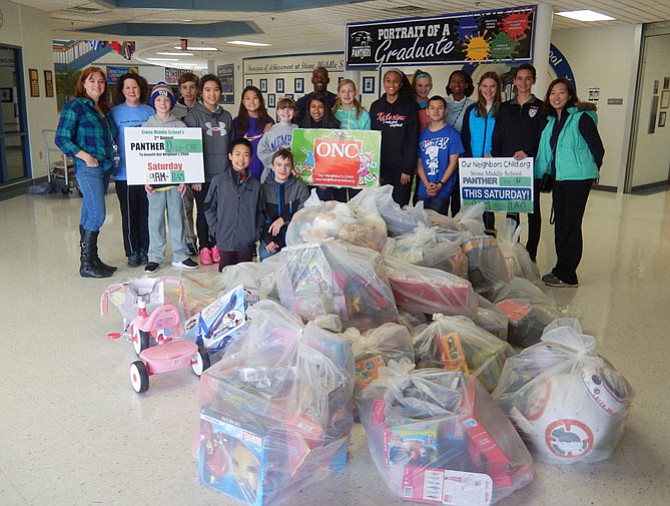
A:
574,160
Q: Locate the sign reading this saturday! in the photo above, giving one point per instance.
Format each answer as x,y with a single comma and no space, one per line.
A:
344,158
503,184
164,155
485,36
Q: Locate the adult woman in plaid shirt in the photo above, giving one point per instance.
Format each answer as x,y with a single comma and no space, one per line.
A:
86,133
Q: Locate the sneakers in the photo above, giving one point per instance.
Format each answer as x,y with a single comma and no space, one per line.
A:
134,260
215,255
192,249
206,256
551,280
185,264
151,267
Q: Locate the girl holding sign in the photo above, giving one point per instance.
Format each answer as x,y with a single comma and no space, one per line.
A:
86,133
396,115
478,122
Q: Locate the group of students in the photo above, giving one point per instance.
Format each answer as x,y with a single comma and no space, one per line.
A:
560,133
250,192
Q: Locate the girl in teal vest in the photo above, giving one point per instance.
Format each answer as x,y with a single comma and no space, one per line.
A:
572,152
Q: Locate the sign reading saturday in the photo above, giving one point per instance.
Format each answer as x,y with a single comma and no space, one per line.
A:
503,184
482,37
164,155
344,158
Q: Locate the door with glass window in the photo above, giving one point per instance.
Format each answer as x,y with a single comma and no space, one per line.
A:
13,137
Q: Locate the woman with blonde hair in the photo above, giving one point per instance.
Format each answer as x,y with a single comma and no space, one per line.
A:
348,110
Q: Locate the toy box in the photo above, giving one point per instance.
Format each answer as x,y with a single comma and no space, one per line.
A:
443,486
245,460
216,325
425,290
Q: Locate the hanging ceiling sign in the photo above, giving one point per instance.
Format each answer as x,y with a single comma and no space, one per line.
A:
482,37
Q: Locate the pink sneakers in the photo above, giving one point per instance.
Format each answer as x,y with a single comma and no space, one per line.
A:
206,256
215,255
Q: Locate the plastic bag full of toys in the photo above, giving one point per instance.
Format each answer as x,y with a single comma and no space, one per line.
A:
569,404
276,411
438,437
333,278
455,343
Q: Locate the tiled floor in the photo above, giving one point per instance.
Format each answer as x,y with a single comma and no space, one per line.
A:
72,431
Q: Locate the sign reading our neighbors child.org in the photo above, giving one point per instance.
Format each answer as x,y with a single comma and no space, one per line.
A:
503,184
164,155
343,158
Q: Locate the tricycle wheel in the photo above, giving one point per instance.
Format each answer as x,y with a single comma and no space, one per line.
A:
201,361
140,341
139,376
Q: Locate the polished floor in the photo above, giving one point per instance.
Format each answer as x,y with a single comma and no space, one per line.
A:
73,432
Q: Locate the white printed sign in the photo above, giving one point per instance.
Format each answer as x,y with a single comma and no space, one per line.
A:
164,155
503,184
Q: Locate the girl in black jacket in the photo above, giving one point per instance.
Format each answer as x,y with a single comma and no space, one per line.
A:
396,115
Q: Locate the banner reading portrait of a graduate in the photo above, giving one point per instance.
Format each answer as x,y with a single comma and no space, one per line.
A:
343,158
503,184
164,155
482,37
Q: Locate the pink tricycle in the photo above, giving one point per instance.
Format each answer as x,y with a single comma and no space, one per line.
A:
147,317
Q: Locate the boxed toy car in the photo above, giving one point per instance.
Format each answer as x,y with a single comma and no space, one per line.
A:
224,319
569,404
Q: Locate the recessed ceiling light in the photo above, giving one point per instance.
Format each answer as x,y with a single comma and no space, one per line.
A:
186,20
163,59
198,48
247,43
585,15
174,53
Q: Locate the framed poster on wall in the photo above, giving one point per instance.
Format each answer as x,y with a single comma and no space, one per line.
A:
299,85
48,83
34,79
264,85
279,85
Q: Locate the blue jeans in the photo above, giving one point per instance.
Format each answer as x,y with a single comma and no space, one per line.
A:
93,182
437,204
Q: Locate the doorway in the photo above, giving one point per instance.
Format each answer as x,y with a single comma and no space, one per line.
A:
13,135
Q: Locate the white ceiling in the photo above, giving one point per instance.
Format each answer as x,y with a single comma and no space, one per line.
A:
307,30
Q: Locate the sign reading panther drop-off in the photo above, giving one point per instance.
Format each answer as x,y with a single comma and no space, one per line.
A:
159,156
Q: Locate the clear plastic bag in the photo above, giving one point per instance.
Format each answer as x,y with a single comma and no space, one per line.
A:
517,259
380,200
335,220
469,219
275,411
376,348
487,270
490,318
432,247
529,311
424,290
334,278
257,275
569,404
455,343
437,434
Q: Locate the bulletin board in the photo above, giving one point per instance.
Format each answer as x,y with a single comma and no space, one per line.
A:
290,75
